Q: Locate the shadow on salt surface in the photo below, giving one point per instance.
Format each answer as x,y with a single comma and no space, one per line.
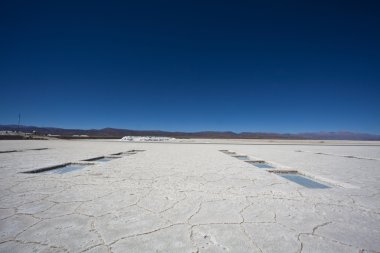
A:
301,180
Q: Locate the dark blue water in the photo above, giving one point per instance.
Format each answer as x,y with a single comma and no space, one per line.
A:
301,180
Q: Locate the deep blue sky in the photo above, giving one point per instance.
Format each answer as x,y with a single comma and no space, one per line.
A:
275,66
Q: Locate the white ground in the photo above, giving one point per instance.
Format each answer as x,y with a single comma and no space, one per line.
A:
189,197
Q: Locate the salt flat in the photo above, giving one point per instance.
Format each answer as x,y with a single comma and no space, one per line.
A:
189,197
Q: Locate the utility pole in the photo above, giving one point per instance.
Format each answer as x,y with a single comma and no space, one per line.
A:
19,120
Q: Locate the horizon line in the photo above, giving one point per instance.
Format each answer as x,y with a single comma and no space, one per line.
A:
201,131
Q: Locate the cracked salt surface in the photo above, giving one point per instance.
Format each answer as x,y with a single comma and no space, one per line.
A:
187,198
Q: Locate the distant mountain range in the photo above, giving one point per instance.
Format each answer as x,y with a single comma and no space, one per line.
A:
118,133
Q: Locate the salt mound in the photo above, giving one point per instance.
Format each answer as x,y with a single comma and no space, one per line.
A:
146,138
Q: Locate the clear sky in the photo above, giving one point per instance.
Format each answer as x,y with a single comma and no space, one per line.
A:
275,66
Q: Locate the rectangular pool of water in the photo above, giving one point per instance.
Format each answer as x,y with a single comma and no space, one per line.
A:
129,153
66,169
8,151
107,159
242,157
60,169
132,152
263,166
102,159
302,180
260,164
